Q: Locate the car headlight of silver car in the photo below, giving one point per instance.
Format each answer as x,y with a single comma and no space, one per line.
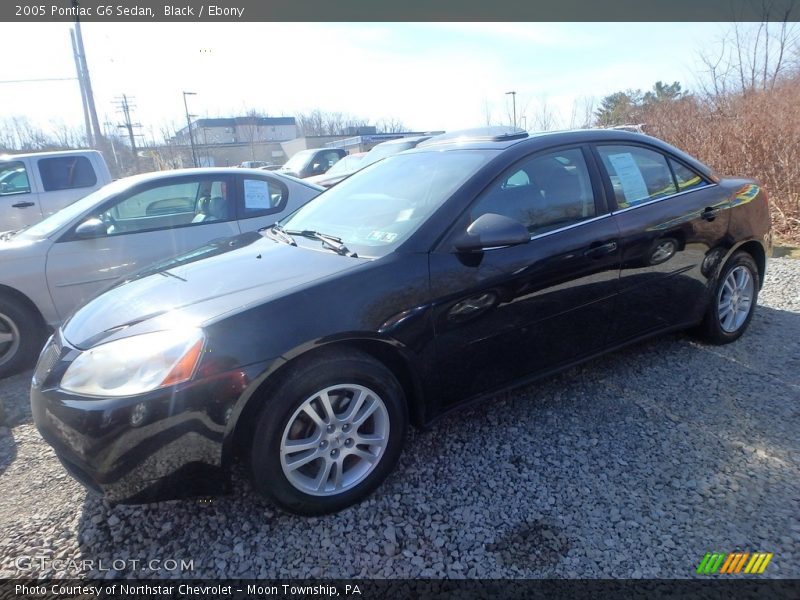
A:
137,364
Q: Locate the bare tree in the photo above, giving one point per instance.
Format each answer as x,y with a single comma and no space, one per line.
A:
544,117
390,125
752,56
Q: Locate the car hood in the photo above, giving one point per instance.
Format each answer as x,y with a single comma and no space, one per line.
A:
199,287
20,246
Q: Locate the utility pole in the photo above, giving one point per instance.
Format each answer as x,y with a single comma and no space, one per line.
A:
514,102
189,125
125,107
78,69
87,81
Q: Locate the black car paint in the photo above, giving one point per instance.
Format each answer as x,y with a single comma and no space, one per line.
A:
452,326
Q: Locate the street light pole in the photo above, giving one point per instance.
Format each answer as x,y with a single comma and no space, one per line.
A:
189,124
514,103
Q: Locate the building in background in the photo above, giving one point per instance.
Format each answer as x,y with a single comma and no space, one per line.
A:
231,141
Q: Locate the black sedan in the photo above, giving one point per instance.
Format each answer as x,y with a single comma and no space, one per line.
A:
438,276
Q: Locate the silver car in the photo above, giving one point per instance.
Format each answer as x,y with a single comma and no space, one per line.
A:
51,268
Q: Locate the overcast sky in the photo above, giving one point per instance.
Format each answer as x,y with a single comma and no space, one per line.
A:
429,76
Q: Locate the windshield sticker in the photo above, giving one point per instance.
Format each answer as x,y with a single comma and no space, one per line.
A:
382,236
630,177
256,194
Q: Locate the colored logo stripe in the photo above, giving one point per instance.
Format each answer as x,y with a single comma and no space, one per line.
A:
710,563
759,562
734,562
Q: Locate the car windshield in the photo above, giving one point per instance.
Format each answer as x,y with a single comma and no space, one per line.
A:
298,160
67,214
379,207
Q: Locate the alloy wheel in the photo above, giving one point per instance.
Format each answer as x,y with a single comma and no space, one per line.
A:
9,338
735,299
334,440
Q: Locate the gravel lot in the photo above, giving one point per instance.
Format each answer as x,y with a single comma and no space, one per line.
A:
634,465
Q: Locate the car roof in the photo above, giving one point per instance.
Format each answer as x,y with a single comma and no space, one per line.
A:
157,175
466,140
51,153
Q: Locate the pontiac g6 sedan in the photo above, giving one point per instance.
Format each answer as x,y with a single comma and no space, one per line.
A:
442,275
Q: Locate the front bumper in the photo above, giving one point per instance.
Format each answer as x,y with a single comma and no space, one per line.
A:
158,446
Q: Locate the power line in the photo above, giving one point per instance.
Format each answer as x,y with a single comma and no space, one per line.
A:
39,80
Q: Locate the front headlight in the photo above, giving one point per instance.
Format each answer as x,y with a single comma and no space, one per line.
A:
135,365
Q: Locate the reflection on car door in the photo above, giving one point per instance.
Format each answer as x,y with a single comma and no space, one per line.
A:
504,313
669,219
144,225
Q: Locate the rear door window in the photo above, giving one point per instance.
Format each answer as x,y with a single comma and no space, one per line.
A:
637,174
66,173
262,196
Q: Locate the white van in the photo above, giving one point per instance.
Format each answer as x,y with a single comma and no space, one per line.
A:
34,186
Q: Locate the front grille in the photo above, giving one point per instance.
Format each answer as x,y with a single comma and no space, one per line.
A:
47,360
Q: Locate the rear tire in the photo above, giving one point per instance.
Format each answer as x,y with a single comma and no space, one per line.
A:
733,302
21,336
315,418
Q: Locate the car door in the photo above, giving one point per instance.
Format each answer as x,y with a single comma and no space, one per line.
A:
670,217
145,224
505,313
63,180
19,200
265,200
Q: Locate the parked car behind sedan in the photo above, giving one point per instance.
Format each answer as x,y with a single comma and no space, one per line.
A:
36,185
49,269
315,161
378,152
434,277
341,170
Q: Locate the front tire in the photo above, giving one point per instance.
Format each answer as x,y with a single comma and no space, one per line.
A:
329,434
734,300
21,336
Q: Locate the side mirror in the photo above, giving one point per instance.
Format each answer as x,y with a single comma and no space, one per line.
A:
492,231
91,228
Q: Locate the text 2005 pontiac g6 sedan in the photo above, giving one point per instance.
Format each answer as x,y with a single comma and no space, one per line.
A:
441,275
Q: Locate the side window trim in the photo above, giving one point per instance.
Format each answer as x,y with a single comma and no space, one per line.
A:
609,189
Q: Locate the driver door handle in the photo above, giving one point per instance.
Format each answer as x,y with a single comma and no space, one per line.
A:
601,250
23,204
710,213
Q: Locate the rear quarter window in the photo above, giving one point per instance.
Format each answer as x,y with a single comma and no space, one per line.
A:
66,173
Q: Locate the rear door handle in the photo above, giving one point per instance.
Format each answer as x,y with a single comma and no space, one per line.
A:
601,250
23,204
710,213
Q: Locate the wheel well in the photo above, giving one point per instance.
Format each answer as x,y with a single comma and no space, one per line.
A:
383,352
756,250
9,292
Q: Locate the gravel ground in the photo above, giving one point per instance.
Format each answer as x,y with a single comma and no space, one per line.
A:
634,465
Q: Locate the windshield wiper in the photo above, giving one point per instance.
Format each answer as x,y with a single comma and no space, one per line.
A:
334,243
279,232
